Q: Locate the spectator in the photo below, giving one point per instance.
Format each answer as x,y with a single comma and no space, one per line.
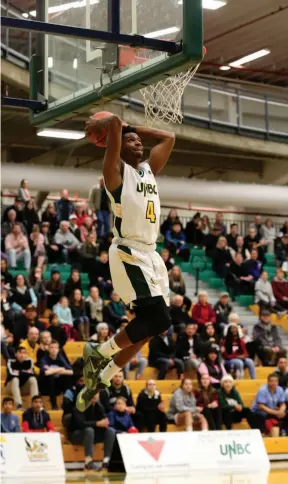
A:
207,337
89,428
207,401
105,243
176,243
239,249
64,314
269,407
80,212
7,227
6,278
89,251
57,331
253,265
169,222
49,216
264,296
258,226
188,347
267,336
284,229
31,346
103,211
73,282
231,404
100,276
202,312
115,312
20,377
22,295
238,278
80,319
36,419
269,235
44,343
281,371
28,320
138,363
193,232
205,226
54,288
176,281
120,419
232,237
7,338
102,333
280,289
64,207
18,207
212,366
221,258
56,373
23,193
17,248
36,281
253,241
6,310
183,410
30,216
94,307
87,227
235,352
222,310
151,408
179,314
162,350
37,246
219,226
52,250
9,421
281,252
169,262
67,242
73,226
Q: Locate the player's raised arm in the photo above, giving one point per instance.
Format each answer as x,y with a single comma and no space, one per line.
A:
159,155
112,161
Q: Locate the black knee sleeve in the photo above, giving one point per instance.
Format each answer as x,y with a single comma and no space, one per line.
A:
152,318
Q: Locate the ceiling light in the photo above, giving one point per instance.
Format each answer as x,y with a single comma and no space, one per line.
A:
61,133
249,58
225,68
50,62
67,6
160,33
209,4
75,63
25,15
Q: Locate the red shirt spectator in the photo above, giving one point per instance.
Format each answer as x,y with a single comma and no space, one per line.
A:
280,289
202,312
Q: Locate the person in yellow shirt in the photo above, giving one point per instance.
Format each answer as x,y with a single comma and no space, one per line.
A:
31,345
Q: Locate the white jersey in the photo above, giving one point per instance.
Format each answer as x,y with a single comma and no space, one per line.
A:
136,205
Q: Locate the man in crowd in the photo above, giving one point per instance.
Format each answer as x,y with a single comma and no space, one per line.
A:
100,275
18,207
219,226
253,265
222,310
179,314
188,347
162,350
267,336
31,346
270,408
151,408
17,248
238,278
9,421
64,207
253,241
7,227
20,377
231,238
281,371
258,225
28,320
202,312
66,241
176,242
73,226
35,418
280,289
281,252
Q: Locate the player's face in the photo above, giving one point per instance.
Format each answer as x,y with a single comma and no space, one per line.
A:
132,149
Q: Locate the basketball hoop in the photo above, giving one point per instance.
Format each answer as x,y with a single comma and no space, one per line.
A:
162,101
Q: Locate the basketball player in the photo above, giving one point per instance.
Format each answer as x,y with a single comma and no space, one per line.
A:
138,273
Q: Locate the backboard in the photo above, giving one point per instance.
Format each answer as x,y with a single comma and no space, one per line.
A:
81,72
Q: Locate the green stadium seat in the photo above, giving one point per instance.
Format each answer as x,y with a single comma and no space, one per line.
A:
245,300
186,266
15,272
217,283
270,259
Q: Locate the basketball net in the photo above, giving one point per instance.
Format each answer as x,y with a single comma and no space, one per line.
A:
162,101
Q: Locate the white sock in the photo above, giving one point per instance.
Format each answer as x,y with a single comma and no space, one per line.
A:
109,348
109,371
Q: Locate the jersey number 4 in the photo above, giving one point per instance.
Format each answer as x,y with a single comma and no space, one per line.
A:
150,212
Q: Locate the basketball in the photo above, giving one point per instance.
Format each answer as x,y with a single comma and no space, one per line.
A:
99,140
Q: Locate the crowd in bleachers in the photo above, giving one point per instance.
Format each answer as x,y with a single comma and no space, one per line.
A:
56,288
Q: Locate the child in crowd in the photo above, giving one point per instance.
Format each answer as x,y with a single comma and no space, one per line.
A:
120,419
62,310
57,330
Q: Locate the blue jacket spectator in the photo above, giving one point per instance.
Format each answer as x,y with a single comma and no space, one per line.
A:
64,208
119,419
253,265
9,421
176,242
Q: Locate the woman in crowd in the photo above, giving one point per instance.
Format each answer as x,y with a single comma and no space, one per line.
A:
30,216
80,319
207,401
102,333
264,295
151,407
81,213
240,249
54,288
89,251
115,312
73,282
94,307
183,409
207,337
6,278
221,258
177,285
205,225
235,352
88,227
57,331
269,235
169,221
231,404
22,294
37,247
212,366
168,261
23,192
37,283
49,216
44,342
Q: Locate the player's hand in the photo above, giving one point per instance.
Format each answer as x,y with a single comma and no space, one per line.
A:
96,126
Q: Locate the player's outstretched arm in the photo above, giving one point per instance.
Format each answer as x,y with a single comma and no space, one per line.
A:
159,155
112,161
